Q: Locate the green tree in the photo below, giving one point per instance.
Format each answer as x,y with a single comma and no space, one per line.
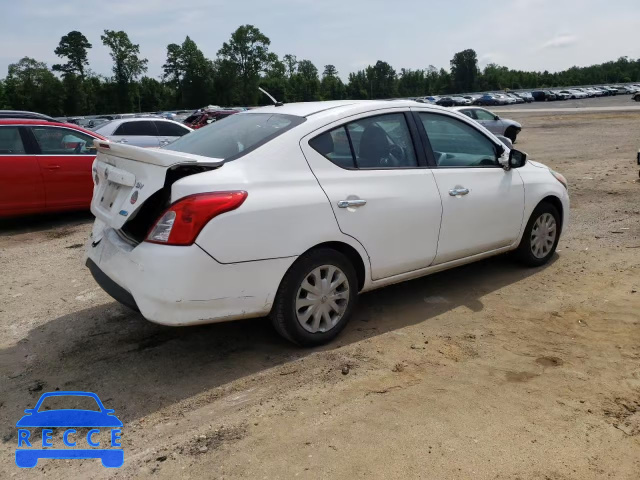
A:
331,86
189,73
357,86
382,80
247,54
30,85
73,46
464,70
275,81
127,65
290,62
305,84
411,83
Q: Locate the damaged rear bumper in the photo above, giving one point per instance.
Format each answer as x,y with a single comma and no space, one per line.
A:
173,285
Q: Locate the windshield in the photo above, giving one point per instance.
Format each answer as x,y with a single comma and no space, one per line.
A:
236,136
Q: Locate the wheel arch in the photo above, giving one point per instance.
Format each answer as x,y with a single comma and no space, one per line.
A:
557,203
352,255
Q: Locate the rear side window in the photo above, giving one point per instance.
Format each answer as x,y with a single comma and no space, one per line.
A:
63,141
334,145
236,136
137,128
10,141
382,141
169,129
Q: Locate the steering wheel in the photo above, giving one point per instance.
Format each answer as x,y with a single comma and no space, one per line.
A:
394,158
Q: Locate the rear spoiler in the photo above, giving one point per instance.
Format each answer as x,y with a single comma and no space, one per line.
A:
154,156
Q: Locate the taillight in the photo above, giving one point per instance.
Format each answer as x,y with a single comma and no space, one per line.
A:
183,221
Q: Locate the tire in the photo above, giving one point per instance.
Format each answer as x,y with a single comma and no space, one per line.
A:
526,250
511,134
290,310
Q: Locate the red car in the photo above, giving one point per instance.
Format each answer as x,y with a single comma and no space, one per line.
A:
202,119
44,166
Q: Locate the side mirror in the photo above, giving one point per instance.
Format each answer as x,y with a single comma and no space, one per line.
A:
496,117
517,159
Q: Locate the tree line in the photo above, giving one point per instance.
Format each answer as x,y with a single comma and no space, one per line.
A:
191,80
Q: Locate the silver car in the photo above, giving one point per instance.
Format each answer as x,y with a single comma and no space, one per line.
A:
143,132
492,122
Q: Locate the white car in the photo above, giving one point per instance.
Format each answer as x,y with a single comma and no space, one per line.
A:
291,211
145,132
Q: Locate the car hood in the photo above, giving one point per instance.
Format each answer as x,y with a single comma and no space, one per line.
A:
69,418
537,164
511,123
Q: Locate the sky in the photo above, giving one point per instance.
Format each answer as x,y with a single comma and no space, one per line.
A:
350,34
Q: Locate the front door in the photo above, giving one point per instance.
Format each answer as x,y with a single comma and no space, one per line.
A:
482,204
380,190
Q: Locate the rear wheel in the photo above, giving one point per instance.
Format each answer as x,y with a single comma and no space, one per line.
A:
541,236
316,298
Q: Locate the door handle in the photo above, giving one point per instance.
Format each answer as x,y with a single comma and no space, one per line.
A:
123,140
53,167
455,192
351,203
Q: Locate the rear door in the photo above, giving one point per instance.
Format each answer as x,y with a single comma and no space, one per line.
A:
169,131
21,185
65,156
380,188
139,133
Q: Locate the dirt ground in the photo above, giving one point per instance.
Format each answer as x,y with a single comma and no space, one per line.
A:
488,371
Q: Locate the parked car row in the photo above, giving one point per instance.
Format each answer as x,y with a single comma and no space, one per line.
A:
510,98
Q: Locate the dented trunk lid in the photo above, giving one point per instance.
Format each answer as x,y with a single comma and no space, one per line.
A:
125,177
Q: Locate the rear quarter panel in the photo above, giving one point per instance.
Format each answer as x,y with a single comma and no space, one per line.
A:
285,213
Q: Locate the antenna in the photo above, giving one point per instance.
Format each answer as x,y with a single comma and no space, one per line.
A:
275,102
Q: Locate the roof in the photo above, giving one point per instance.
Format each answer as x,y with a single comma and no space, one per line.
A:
306,109
24,114
27,121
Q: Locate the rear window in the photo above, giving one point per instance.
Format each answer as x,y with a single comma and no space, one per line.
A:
236,136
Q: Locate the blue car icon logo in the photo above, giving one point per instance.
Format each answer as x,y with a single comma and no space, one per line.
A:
27,456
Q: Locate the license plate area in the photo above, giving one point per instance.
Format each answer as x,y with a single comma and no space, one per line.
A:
109,195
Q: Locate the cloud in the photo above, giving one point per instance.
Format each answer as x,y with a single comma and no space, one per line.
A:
560,41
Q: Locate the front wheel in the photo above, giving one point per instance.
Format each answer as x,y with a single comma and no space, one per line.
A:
316,298
541,236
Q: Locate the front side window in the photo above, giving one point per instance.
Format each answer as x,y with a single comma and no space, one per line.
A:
10,141
237,135
137,128
484,115
63,141
169,129
469,113
457,144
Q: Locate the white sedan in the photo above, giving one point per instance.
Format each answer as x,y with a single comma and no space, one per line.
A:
291,211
